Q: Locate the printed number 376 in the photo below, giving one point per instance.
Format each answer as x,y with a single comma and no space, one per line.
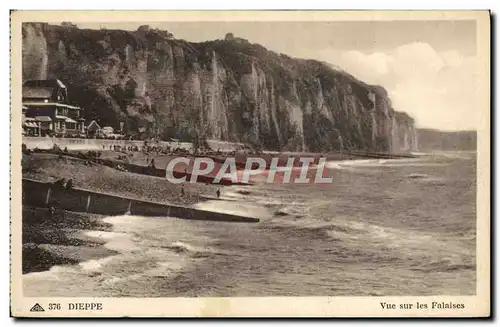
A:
54,306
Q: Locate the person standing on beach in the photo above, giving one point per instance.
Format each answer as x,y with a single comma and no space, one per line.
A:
60,183
52,211
69,184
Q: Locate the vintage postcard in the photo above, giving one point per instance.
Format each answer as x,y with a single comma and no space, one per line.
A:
250,164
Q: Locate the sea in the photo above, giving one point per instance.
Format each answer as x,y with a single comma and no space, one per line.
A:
383,227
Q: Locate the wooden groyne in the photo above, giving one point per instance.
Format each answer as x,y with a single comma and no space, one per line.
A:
41,194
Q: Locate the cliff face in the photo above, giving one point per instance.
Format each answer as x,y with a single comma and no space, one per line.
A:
224,89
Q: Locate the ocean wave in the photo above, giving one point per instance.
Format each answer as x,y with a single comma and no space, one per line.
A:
302,223
350,164
120,242
421,154
183,247
240,208
170,265
417,176
295,209
95,265
197,251
444,265
124,219
231,195
333,226
354,165
52,274
105,235
354,232
370,243
412,164
269,197
425,178
164,268
461,155
89,268
116,279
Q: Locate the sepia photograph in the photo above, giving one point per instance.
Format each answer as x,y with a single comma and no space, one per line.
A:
250,155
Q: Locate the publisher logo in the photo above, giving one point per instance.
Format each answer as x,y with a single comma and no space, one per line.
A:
37,308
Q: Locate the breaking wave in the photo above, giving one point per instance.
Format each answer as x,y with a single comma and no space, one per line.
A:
197,251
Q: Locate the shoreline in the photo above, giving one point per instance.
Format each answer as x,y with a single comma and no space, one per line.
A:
60,239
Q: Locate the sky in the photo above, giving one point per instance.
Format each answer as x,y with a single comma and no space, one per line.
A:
428,67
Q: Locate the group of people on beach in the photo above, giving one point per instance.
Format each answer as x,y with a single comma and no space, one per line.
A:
116,147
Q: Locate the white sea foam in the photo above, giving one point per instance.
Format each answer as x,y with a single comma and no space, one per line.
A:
120,242
95,265
455,154
181,246
234,208
124,219
51,274
105,235
367,163
351,164
167,268
115,279
259,199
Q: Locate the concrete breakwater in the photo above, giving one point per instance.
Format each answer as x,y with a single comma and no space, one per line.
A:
41,194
